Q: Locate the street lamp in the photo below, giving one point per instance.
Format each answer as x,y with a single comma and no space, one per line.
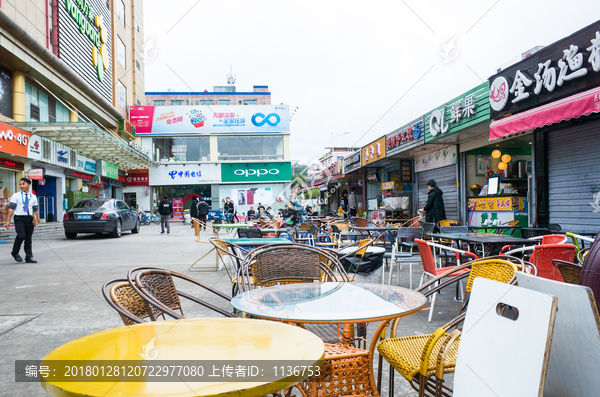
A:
335,136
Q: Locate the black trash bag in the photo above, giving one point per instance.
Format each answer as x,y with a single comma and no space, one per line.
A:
369,263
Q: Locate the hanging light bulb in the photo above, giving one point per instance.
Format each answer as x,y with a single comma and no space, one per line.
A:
502,166
496,154
506,158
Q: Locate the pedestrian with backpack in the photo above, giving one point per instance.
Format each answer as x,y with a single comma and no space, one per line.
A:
165,209
203,210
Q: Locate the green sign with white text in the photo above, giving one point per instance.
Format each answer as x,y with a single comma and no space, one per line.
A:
256,172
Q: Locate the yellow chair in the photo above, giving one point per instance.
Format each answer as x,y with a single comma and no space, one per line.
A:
449,222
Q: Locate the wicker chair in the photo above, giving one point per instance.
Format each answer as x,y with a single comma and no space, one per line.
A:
424,359
569,271
306,236
359,253
229,255
554,227
161,296
533,232
128,303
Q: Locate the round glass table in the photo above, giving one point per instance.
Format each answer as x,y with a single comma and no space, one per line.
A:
185,342
335,303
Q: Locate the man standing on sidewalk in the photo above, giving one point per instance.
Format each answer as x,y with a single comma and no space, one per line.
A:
25,207
203,210
165,209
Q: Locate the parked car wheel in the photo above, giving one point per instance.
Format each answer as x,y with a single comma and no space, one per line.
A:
136,229
71,236
117,232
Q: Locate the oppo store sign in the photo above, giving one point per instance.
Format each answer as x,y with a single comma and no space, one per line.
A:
256,172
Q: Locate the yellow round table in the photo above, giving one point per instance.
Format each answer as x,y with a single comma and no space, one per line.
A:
193,339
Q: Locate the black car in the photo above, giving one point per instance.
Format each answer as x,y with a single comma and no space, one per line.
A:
99,216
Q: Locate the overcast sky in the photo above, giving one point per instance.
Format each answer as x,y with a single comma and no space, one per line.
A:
361,67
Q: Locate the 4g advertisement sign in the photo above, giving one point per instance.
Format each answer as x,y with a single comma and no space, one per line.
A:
13,140
256,172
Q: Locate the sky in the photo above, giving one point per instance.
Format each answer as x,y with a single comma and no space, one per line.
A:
366,68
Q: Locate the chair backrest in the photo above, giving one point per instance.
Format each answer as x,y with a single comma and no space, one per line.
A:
555,227
306,225
426,256
570,272
285,263
554,239
128,303
533,232
454,229
512,223
226,256
542,258
428,227
409,233
576,339
492,345
360,222
341,225
161,287
493,269
449,222
249,233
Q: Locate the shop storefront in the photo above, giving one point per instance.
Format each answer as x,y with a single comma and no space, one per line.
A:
137,189
353,177
181,183
371,156
556,94
110,186
398,189
249,184
13,147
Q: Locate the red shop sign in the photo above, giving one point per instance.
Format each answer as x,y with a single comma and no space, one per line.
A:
137,178
79,175
11,164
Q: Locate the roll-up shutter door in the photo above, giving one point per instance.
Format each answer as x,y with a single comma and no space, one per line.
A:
574,177
446,180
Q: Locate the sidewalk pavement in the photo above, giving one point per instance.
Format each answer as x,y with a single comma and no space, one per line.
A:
59,299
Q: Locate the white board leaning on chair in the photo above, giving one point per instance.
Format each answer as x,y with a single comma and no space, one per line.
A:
499,356
575,354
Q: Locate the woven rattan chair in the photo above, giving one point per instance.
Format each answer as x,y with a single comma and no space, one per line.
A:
306,236
424,359
357,255
534,232
569,271
161,296
128,303
197,224
231,256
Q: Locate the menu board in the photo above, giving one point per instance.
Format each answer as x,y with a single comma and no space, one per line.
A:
379,218
406,171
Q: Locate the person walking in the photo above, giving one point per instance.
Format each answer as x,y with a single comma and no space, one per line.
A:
344,204
203,210
434,209
352,202
194,211
24,206
165,209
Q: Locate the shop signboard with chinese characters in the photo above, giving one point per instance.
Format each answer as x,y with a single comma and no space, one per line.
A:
86,165
137,178
496,204
406,171
405,138
108,170
191,174
256,172
206,120
569,66
437,159
464,111
352,162
84,42
80,175
126,126
14,140
12,165
373,152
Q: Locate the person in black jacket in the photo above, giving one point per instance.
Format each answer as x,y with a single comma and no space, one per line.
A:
228,208
194,211
165,209
290,214
251,213
203,210
434,209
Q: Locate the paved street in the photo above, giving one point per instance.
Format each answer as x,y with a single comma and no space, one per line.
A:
59,299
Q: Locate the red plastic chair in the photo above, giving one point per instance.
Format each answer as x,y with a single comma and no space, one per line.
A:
429,268
542,258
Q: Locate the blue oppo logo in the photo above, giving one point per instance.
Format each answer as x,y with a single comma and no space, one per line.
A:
266,119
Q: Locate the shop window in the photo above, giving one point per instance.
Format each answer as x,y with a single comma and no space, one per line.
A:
46,150
207,102
187,102
176,102
250,101
121,11
196,102
224,101
138,102
121,52
250,148
122,95
51,109
159,102
182,148
72,158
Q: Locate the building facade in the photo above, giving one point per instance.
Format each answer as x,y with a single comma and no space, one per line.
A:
221,95
60,99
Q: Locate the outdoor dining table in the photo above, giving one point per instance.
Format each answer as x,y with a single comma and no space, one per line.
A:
191,343
277,232
490,228
231,228
333,303
492,243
